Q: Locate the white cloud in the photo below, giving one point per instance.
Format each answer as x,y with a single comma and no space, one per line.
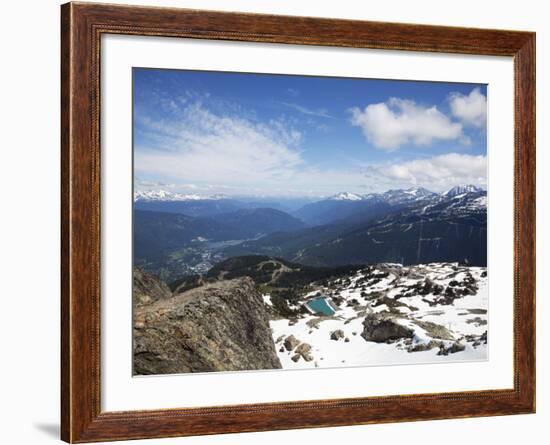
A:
470,109
225,153
321,112
388,125
438,173
200,146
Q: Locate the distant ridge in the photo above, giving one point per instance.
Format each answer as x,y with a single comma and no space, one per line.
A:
164,195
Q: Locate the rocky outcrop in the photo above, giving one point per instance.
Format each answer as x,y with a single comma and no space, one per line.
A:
380,329
147,288
221,326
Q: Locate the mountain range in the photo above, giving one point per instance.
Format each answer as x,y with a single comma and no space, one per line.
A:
345,205
404,226
208,205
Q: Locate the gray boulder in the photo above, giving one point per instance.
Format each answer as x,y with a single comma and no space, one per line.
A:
291,342
380,329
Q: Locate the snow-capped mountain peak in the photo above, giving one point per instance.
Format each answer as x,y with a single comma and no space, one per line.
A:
346,196
408,196
418,191
164,195
462,189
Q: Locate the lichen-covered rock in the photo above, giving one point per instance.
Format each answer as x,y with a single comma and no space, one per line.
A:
419,347
304,350
435,330
452,349
221,326
380,329
337,335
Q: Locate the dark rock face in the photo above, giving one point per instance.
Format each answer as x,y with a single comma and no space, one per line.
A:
221,326
381,329
148,288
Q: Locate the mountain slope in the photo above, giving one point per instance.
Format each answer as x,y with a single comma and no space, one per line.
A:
434,228
449,229
331,210
252,222
172,245
157,233
274,272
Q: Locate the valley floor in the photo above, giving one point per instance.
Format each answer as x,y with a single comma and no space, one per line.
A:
389,314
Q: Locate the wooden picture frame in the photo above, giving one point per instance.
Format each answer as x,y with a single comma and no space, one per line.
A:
82,25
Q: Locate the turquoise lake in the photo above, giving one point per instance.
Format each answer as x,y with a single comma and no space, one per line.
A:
321,306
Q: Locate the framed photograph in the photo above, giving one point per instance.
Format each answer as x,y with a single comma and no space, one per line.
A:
275,222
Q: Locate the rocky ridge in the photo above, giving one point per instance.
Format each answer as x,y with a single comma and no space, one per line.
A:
220,326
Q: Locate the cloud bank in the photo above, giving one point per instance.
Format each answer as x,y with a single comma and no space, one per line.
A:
437,173
389,125
212,150
470,109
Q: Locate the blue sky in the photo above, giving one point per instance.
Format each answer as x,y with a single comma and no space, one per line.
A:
271,135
